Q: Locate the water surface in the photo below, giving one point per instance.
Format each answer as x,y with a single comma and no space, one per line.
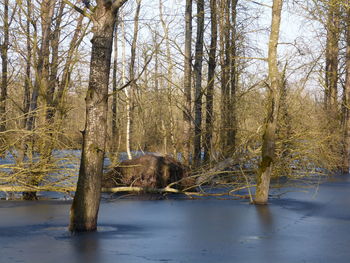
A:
298,227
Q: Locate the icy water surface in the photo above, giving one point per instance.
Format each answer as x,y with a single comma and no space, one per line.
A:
298,227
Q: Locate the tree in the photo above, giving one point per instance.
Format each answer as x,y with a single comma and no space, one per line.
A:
4,46
85,206
187,116
198,83
211,79
332,57
130,94
228,75
346,101
41,84
114,90
274,90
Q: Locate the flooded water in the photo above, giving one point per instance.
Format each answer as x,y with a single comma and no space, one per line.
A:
299,227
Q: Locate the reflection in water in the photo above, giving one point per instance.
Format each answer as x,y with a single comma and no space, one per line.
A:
265,217
86,245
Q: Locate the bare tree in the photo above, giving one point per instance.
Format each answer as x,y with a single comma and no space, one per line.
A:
42,66
85,206
211,79
228,65
41,78
4,46
131,93
198,83
346,101
274,90
332,57
187,81
232,121
114,90
27,82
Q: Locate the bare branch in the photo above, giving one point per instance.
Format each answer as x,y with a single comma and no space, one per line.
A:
76,8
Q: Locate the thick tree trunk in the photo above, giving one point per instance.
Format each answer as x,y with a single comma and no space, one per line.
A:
4,46
198,83
187,115
211,79
268,147
84,210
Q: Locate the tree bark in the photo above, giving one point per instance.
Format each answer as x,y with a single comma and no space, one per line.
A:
346,102
27,82
53,78
211,80
268,147
114,107
232,121
187,115
4,46
85,206
198,83
42,67
41,78
225,58
332,53
132,91
170,65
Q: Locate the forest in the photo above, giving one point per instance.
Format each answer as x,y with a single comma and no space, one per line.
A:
238,92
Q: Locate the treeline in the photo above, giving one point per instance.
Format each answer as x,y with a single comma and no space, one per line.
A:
186,79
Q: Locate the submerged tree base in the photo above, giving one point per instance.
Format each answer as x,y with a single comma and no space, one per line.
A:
80,228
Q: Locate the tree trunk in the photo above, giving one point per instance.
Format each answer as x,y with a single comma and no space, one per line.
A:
84,210
170,65
42,69
268,147
27,82
53,80
41,78
211,80
198,83
225,58
346,103
132,91
332,53
4,57
114,107
187,116
232,121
